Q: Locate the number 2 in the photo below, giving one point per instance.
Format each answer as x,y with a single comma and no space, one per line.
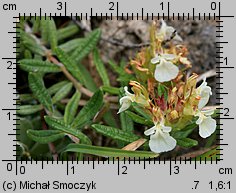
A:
112,6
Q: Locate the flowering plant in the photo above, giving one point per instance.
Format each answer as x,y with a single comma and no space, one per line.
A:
71,106
164,91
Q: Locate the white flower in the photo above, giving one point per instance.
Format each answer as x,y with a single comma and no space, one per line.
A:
160,139
166,32
126,101
204,92
165,70
207,125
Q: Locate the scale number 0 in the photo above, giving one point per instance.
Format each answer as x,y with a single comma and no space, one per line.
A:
21,169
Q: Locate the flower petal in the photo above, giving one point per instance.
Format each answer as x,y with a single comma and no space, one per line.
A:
168,32
164,128
200,119
125,103
161,142
208,112
207,127
168,56
127,93
205,96
177,38
155,60
166,71
150,131
204,91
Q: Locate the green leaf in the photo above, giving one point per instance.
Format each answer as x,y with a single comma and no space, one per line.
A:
89,110
124,77
87,46
29,42
67,32
111,90
127,123
36,25
141,111
138,119
100,68
115,133
109,119
22,126
40,92
187,142
32,65
108,152
78,71
71,45
56,87
29,109
61,126
63,92
183,133
89,81
26,97
115,67
71,108
45,136
52,33
49,32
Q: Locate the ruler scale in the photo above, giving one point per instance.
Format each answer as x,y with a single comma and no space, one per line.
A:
168,174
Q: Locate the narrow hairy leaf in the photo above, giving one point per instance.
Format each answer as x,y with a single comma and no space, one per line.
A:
77,70
187,142
49,32
138,119
40,92
109,118
89,81
100,68
127,123
67,32
115,133
111,90
108,152
29,42
26,97
52,33
71,45
89,110
56,87
61,126
71,108
29,109
33,65
22,125
62,93
115,67
36,25
44,30
183,133
45,136
140,111
87,46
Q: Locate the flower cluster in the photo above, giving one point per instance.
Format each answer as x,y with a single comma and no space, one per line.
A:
165,92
